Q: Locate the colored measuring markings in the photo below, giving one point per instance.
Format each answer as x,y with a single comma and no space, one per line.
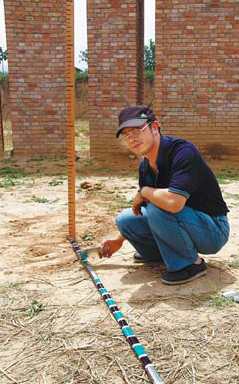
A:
70,95
136,346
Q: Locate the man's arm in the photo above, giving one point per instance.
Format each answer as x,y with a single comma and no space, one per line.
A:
164,199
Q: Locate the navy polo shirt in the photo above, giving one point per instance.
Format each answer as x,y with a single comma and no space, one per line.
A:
183,170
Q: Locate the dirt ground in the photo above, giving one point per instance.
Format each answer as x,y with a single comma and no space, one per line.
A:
55,328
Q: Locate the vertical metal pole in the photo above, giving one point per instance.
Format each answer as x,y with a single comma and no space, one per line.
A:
70,115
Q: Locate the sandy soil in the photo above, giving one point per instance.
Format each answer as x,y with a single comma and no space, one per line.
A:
54,327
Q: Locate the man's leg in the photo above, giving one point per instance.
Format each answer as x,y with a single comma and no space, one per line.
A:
180,236
137,231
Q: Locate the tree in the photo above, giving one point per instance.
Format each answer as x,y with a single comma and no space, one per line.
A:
149,56
3,56
84,56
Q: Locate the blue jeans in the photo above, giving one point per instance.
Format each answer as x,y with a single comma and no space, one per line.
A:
174,237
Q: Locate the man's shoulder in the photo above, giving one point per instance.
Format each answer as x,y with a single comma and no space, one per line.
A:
175,142
177,146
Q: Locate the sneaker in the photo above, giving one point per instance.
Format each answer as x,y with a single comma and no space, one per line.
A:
186,274
138,258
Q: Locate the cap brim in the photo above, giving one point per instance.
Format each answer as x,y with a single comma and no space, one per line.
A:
130,123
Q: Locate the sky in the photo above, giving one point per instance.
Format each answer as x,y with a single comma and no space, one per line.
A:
81,29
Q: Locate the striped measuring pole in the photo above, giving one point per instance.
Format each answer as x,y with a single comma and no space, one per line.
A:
119,317
70,90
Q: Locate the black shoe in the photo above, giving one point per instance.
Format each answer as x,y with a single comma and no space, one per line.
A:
186,274
138,258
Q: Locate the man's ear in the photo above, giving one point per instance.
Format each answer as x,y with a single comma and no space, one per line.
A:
155,125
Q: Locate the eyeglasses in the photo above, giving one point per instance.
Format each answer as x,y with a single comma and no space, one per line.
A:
134,133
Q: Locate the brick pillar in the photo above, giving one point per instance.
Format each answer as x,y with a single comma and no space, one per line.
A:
115,32
196,86
36,36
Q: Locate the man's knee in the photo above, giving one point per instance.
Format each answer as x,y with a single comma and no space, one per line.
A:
124,218
156,214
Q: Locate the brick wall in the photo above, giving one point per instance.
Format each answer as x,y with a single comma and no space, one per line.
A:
115,54
36,39
197,73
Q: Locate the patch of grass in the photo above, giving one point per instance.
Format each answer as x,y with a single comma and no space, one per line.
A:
82,76
3,76
119,199
234,263
12,172
58,174
7,183
47,336
41,170
54,183
219,302
82,141
149,75
41,200
222,179
34,308
41,158
227,175
9,161
118,202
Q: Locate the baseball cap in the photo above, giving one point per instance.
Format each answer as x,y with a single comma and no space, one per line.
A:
134,116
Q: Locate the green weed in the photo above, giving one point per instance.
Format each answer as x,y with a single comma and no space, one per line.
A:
41,200
7,183
12,172
54,183
9,161
121,202
58,174
228,175
47,336
219,302
81,75
3,76
233,263
34,308
40,158
41,170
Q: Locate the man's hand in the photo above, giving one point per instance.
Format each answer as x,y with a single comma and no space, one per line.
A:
137,203
111,246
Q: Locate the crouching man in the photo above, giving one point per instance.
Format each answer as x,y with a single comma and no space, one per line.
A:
178,210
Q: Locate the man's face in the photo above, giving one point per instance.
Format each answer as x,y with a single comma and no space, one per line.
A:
139,140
